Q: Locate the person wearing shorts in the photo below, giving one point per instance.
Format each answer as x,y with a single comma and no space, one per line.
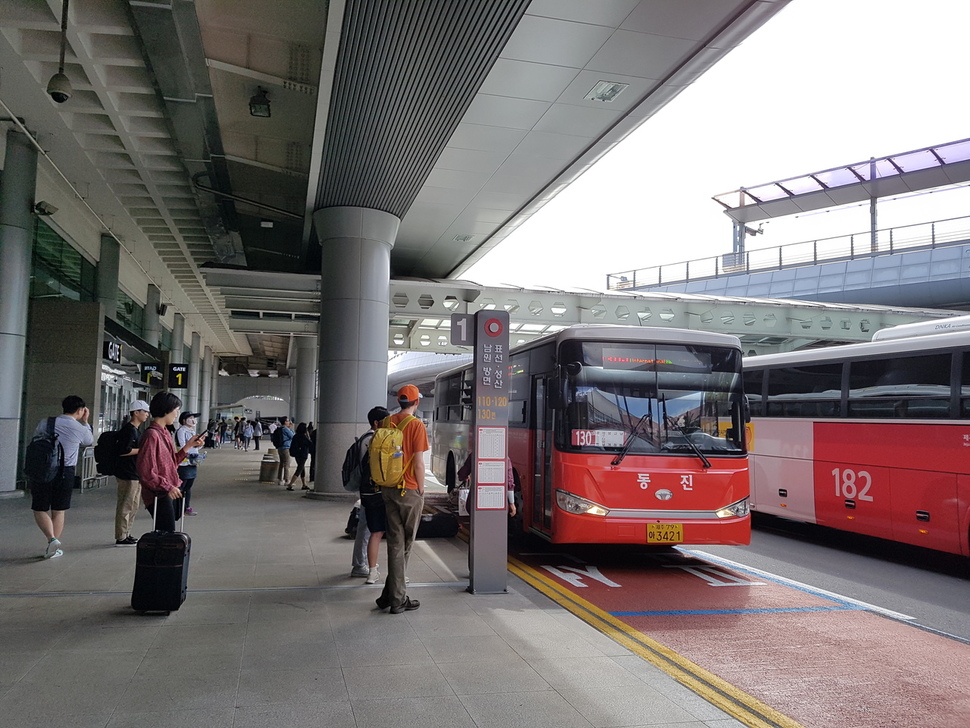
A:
51,501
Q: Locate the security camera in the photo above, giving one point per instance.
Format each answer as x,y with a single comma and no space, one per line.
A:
59,88
44,208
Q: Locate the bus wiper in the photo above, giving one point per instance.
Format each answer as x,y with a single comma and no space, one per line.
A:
693,446
629,441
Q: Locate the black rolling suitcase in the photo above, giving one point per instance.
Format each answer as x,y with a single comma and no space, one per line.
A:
437,525
161,571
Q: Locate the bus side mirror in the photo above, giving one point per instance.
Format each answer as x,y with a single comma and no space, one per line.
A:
556,395
746,409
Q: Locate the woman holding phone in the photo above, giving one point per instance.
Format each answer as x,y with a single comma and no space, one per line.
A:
158,462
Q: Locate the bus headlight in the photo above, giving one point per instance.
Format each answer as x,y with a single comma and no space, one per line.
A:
735,510
574,504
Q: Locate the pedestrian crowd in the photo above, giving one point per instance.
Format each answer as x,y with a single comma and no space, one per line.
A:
157,463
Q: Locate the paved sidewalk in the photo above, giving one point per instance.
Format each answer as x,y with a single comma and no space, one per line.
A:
275,633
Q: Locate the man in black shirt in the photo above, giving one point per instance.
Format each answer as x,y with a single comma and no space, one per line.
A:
129,489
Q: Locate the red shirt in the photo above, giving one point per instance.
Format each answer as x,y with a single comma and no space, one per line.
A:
157,463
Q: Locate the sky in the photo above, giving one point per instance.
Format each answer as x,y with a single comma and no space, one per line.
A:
824,83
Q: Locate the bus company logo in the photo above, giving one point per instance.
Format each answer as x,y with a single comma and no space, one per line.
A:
664,494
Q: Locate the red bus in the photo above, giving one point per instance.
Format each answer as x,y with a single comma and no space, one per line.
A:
872,438
617,434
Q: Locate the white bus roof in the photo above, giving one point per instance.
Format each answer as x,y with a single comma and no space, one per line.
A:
923,328
917,344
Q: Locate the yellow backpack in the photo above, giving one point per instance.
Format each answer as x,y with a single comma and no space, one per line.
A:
386,454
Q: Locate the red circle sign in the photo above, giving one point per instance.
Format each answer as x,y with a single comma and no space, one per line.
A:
493,327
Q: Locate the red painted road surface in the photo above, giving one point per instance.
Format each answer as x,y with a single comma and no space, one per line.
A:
823,662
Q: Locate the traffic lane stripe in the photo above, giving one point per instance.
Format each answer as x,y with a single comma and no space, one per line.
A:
736,703
807,588
782,610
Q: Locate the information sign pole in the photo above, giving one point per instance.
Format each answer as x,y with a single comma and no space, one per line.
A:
489,515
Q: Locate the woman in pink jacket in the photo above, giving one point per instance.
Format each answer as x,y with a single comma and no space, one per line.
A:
158,462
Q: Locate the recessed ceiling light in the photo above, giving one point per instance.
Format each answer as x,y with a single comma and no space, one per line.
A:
266,223
605,91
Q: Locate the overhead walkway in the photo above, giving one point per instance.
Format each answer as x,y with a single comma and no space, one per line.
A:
420,311
923,265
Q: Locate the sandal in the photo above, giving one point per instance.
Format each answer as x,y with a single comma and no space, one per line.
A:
289,487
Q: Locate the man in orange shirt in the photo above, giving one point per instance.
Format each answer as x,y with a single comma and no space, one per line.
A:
404,508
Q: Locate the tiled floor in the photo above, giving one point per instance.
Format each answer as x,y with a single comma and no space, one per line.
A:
275,633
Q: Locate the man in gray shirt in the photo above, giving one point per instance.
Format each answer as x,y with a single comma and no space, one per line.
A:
50,501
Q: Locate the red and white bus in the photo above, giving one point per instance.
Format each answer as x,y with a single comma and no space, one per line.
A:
872,438
617,435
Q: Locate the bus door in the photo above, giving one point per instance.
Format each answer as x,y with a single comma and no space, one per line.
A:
542,488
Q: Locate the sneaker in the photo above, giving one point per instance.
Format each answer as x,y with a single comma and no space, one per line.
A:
127,541
190,512
373,576
52,547
360,571
409,605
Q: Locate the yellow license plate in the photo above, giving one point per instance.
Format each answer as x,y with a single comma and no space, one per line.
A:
665,533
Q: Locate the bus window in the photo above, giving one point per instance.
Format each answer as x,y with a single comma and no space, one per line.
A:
666,394
913,387
752,390
805,391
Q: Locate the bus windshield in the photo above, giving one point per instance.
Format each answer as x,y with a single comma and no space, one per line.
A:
689,398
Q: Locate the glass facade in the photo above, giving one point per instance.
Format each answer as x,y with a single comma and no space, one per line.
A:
130,314
58,270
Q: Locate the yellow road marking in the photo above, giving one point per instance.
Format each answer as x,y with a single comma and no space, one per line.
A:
737,703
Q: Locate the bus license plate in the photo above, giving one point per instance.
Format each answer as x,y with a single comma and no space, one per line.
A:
665,533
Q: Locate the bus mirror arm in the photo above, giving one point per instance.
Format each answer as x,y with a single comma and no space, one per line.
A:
557,395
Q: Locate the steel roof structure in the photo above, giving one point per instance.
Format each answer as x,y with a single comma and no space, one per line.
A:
896,174
461,118
420,312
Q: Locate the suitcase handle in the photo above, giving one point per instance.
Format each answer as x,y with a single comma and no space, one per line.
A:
155,513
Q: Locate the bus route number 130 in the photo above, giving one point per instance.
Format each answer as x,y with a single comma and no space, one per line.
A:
848,483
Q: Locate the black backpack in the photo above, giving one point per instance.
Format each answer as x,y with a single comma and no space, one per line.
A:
106,453
44,457
277,437
355,468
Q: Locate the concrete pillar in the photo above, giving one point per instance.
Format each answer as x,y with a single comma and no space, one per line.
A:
178,338
152,325
216,365
109,263
16,241
205,400
195,374
291,401
355,279
303,407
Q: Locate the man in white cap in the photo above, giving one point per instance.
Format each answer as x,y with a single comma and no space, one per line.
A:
126,473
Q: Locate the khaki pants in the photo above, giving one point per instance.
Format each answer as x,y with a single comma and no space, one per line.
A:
403,515
129,501
283,471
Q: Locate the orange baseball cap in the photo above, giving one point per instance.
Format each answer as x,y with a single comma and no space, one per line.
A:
408,393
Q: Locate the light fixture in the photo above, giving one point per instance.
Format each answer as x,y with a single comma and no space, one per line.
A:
44,208
264,223
259,104
605,91
59,87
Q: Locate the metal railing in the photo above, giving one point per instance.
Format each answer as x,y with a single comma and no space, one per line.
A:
927,235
